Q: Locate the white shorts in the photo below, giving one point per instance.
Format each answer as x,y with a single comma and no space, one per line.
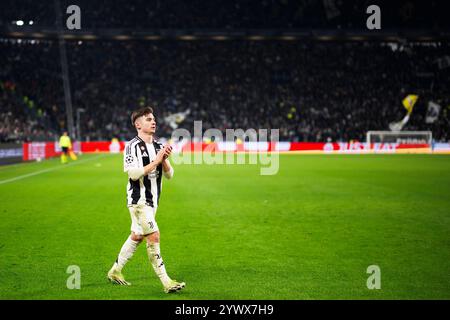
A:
143,219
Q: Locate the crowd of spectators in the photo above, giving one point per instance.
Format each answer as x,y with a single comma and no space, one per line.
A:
31,94
311,91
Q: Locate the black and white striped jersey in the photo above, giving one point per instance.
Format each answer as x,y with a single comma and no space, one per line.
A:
147,189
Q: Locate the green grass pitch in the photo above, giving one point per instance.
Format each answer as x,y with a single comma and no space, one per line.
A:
309,232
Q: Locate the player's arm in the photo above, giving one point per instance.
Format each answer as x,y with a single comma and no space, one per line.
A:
155,163
135,172
167,169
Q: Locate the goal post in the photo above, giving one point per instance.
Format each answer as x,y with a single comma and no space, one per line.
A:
404,137
400,137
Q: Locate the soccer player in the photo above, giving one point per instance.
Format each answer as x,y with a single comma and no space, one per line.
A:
66,147
65,144
145,161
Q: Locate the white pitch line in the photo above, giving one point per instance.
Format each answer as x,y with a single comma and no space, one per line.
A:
60,166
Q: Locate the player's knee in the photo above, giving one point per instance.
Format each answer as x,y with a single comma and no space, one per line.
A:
153,237
137,238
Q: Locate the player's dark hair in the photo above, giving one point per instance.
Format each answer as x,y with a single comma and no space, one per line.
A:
139,113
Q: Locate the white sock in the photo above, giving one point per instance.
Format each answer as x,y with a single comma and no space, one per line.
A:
127,251
154,255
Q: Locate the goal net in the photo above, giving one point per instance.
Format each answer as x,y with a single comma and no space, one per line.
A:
416,138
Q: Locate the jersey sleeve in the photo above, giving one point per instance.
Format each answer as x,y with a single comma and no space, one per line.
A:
129,158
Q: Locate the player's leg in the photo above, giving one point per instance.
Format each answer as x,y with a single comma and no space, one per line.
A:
126,252
64,155
128,248
72,155
155,257
154,253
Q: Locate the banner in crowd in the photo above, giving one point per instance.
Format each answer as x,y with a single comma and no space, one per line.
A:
443,62
432,112
173,120
408,102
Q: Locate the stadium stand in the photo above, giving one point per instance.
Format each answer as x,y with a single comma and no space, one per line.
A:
310,90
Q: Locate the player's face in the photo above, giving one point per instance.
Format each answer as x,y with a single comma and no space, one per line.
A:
147,123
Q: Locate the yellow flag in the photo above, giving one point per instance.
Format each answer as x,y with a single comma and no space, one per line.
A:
409,102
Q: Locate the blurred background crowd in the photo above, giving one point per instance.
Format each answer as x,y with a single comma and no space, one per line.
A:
310,90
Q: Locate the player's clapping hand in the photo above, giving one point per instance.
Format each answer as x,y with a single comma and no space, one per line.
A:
160,156
164,153
167,151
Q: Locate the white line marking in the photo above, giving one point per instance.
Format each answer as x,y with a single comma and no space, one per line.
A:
60,166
